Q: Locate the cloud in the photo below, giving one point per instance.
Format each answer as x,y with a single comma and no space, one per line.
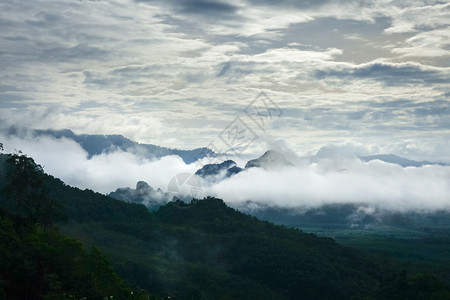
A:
199,6
103,173
335,175
291,3
137,127
207,7
295,55
436,108
341,180
389,74
433,43
414,18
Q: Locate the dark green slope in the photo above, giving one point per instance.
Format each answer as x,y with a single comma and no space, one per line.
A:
207,248
289,262
36,260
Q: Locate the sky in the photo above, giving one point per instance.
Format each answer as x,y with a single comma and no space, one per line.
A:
368,76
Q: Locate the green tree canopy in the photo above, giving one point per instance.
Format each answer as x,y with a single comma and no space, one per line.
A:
25,187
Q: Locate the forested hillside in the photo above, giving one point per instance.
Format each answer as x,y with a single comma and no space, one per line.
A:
36,260
201,250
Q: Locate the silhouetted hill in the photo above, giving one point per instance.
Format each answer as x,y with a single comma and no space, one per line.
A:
211,171
36,260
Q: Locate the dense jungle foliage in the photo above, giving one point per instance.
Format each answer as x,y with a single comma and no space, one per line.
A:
60,242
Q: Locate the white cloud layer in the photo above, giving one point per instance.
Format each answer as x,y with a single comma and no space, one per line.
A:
65,159
337,176
376,183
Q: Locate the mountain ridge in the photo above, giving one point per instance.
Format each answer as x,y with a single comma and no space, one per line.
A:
96,144
404,162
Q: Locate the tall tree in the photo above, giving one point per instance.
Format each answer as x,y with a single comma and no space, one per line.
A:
25,186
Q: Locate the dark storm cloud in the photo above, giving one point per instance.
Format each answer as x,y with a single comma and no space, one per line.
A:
8,88
222,8
17,38
357,115
436,108
225,68
409,115
388,74
95,79
45,20
234,70
210,9
434,105
291,3
400,103
207,7
398,115
153,70
10,101
322,118
80,51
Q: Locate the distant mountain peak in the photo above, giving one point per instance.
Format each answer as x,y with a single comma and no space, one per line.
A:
142,187
404,162
143,194
96,144
228,167
270,160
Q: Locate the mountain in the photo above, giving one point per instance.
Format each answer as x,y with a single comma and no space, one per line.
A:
200,250
226,169
95,144
331,151
143,194
37,261
270,160
404,162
